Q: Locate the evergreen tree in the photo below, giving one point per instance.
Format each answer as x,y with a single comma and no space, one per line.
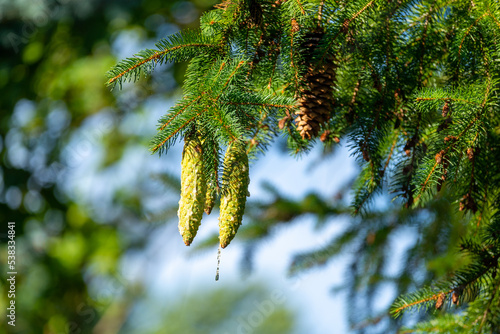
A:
410,85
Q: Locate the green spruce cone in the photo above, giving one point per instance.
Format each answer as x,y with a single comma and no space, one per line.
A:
235,185
212,185
210,199
193,189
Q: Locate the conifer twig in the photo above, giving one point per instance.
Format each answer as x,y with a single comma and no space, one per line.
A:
164,125
345,25
451,99
262,104
465,35
154,57
435,296
486,311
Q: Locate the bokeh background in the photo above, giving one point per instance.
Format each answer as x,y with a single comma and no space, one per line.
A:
97,246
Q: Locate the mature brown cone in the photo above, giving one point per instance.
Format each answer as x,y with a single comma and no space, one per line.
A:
316,99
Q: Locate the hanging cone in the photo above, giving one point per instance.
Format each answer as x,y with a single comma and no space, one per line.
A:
193,189
316,98
212,186
235,189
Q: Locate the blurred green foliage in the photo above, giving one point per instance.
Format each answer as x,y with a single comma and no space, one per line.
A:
55,115
249,310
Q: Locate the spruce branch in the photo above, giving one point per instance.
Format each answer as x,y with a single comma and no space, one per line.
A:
467,33
166,138
425,298
466,282
343,29
180,46
447,99
429,175
413,88
298,4
181,107
260,104
389,156
488,309
221,74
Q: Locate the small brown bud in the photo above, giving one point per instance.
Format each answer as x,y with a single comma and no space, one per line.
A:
440,301
439,156
449,138
325,135
446,109
295,25
370,238
283,122
454,297
470,153
345,26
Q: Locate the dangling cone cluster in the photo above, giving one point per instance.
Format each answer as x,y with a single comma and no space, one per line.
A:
316,99
198,195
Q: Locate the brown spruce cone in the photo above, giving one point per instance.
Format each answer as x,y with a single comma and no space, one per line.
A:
316,98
